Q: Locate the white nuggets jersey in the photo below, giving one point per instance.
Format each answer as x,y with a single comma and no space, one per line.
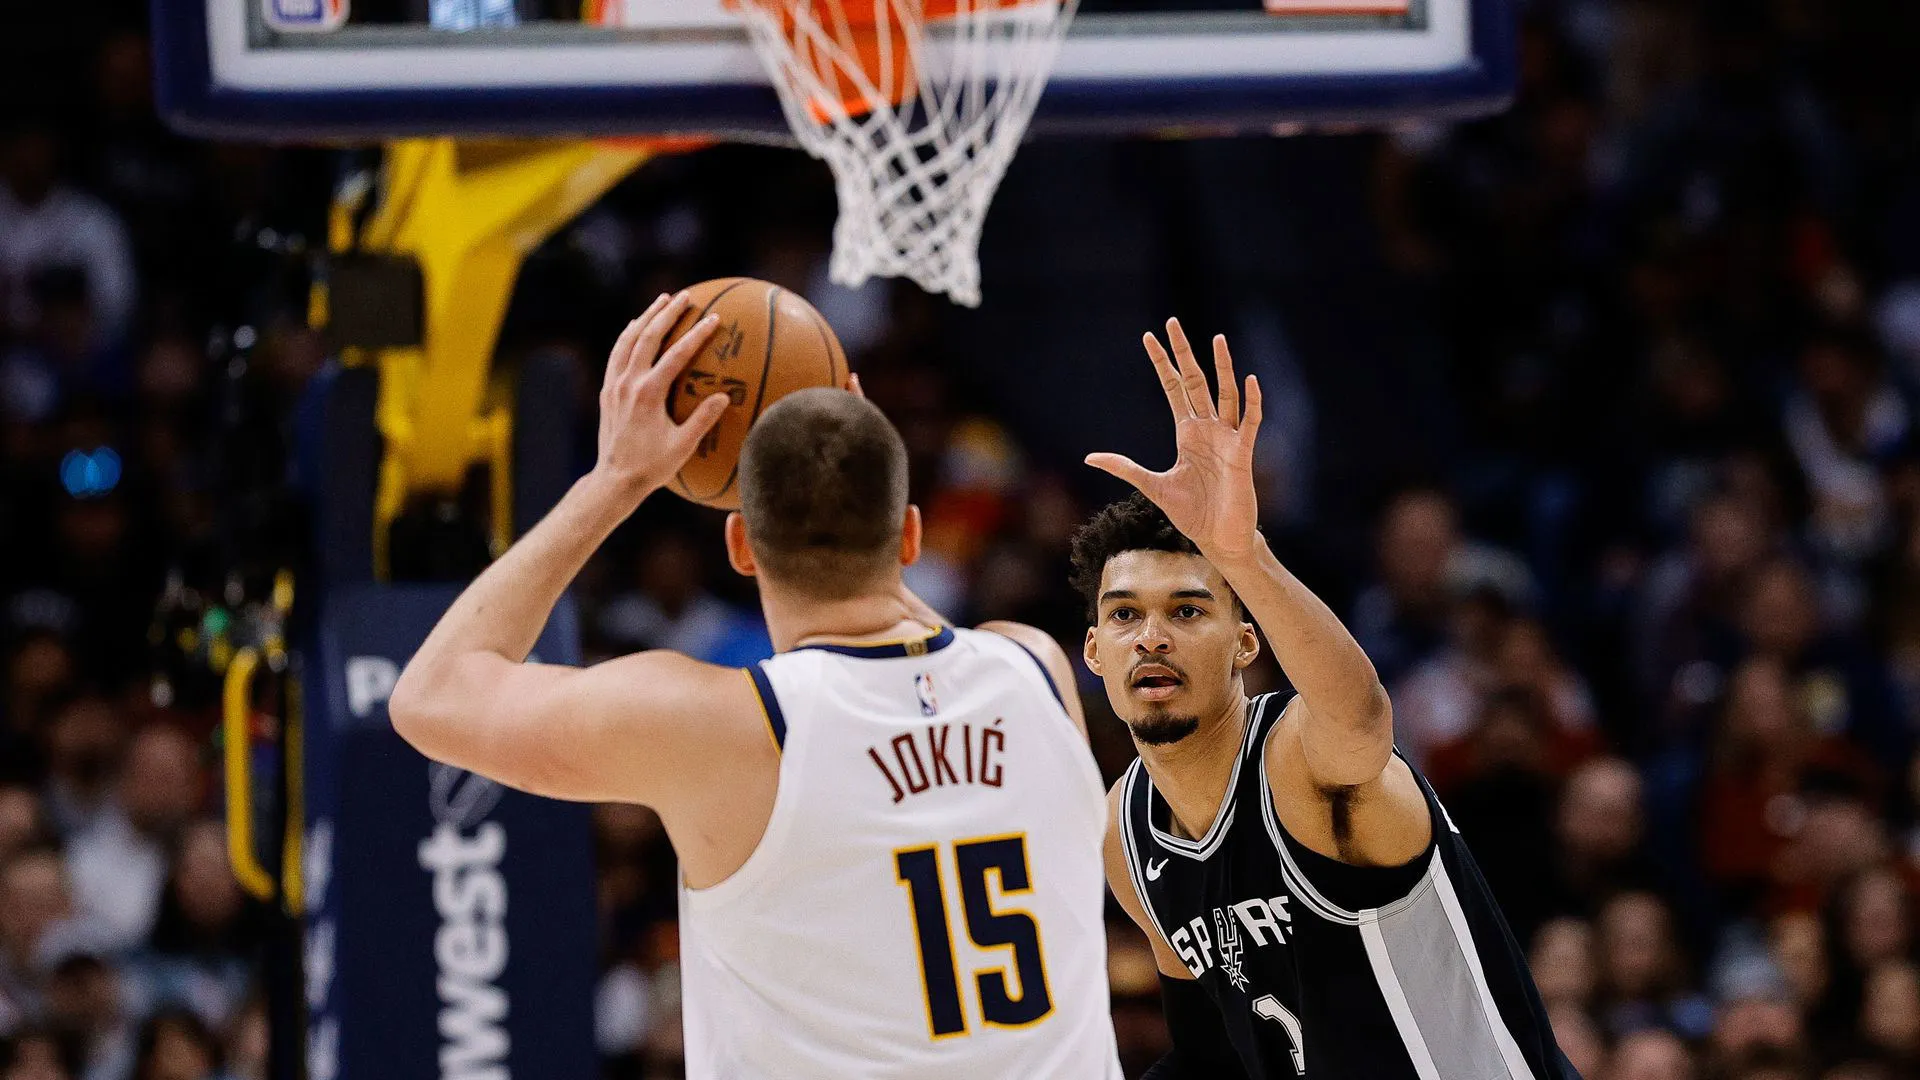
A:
927,898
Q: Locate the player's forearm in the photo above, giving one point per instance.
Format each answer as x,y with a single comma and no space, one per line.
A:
502,613
1321,658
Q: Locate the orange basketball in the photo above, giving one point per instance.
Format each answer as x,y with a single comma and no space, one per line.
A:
769,343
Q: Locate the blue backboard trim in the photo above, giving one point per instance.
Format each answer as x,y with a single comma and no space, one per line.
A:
193,103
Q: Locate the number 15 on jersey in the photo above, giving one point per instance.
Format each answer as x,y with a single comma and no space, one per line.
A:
1008,998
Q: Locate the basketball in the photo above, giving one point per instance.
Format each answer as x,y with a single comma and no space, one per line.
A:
770,343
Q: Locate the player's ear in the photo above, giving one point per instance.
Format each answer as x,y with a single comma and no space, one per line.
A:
911,534
1249,649
739,552
1088,654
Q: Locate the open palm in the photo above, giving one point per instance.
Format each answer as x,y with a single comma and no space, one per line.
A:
1208,494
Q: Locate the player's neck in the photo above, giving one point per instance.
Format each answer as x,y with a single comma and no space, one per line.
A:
794,621
1193,774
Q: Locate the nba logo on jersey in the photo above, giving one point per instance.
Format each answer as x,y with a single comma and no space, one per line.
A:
923,688
305,15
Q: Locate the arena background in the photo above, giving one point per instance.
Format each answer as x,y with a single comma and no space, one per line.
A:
1593,419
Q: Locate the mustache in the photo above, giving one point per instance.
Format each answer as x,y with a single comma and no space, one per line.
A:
1177,670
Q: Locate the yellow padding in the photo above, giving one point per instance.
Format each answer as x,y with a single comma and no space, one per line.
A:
238,713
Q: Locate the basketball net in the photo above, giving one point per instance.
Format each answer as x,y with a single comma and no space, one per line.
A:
917,106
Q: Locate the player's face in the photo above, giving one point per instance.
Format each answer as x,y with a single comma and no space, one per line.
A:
1168,642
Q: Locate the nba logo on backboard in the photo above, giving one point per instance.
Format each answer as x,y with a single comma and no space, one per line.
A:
305,16
923,688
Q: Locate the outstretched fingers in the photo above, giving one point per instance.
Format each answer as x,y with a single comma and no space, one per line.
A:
1175,390
1191,377
1223,374
1124,468
1250,424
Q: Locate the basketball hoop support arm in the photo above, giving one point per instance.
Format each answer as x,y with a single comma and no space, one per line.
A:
468,213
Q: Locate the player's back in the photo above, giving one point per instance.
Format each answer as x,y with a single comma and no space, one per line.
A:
927,898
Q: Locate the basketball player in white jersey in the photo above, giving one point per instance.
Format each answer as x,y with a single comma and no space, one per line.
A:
889,834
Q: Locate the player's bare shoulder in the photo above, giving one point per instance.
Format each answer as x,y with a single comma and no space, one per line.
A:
687,712
1383,822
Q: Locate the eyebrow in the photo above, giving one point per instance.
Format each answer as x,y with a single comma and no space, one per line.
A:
1177,594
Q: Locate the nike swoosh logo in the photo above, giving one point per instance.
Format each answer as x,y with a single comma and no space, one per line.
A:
1153,872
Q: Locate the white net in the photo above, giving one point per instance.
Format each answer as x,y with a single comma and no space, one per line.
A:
917,106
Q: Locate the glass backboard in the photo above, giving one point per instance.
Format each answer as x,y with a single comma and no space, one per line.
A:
366,69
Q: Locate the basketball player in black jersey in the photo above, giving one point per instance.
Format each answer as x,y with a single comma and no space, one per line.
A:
1313,912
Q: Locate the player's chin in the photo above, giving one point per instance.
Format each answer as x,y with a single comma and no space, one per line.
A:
1162,728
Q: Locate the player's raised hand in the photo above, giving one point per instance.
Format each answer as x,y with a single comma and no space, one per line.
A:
640,445
1208,494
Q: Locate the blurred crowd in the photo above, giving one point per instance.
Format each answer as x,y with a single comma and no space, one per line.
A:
1612,467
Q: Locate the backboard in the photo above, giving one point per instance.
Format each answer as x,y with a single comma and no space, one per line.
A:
369,69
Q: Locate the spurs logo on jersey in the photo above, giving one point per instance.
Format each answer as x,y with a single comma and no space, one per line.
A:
1230,949
1325,971
1265,922
927,898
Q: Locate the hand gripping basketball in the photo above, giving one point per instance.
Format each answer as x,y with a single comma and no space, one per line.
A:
640,445
1209,493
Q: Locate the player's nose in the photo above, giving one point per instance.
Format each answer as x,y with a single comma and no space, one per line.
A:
1153,638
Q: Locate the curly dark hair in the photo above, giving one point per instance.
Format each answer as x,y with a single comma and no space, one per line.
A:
1131,524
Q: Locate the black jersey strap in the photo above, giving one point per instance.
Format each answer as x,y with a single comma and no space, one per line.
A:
1262,713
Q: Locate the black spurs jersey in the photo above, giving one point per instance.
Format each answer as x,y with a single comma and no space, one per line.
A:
1335,972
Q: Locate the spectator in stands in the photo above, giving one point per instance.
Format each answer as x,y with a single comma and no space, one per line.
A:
1767,750
35,907
22,825
40,670
1651,1054
1894,592
1755,1014
176,1045
83,746
1562,960
1844,687
1440,698
1890,1014
38,1055
1599,834
669,608
46,225
1843,420
1645,977
1403,619
204,941
87,1004
1797,942
119,858
1690,608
